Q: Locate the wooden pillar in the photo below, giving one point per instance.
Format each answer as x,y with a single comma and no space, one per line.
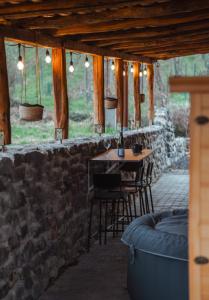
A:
99,111
198,87
5,125
137,104
119,89
60,90
125,97
150,86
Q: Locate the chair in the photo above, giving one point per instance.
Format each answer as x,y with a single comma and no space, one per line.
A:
134,185
140,184
146,183
114,205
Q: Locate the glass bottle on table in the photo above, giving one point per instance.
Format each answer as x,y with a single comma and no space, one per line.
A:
121,150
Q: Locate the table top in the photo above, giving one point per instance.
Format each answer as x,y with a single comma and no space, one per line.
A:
112,155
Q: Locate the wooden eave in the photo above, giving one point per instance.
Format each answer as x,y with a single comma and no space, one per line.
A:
144,30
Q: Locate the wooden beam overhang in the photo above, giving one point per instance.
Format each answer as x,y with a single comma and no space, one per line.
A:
137,31
45,40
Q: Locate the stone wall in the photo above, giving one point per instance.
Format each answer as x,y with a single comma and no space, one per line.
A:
176,148
44,208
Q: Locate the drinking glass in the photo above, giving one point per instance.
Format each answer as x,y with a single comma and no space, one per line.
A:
107,145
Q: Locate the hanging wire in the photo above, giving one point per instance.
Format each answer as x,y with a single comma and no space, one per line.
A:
24,73
38,82
22,77
142,78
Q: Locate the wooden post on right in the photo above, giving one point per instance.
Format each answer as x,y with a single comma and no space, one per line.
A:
198,87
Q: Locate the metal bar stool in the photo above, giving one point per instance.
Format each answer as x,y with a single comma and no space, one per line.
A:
132,186
144,184
114,206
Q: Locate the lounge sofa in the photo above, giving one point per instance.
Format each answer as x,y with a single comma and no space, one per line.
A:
158,256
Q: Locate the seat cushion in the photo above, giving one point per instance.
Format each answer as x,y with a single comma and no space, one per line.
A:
162,234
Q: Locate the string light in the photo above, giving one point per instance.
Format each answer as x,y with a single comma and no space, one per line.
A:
113,66
20,64
124,72
145,71
132,68
48,57
140,73
71,67
87,64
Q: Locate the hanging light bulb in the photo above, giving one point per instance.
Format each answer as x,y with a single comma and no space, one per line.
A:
132,68
20,64
140,73
48,57
71,67
87,64
145,71
113,66
124,72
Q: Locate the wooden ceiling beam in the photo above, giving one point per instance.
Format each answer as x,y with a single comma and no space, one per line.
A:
177,48
137,12
74,46
116,25
31,10
143,32
162,42
44,40
180,36
172,54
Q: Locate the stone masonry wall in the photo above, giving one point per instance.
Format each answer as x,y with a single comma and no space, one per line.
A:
44,208
176,148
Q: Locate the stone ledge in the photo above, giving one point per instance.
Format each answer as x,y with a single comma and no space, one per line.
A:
70,143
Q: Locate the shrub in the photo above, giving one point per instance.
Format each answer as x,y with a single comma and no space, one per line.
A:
180,119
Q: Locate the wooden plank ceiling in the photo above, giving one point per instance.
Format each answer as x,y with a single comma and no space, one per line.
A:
156,29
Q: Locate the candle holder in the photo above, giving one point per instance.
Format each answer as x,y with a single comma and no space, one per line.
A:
58,134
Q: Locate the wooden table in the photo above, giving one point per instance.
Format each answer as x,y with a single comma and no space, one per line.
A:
112,155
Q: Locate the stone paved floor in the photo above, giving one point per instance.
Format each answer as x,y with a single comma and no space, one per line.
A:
101,274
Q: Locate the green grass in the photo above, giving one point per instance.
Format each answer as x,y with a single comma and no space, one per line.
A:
32,132
80,105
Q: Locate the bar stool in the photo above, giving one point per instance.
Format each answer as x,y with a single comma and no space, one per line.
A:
134,186
141,183
148,184
113,203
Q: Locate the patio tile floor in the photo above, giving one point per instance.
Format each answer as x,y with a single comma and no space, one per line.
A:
101,274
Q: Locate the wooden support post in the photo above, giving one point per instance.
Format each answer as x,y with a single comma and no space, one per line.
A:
150,84
137,104
125,97
198,87
60,90
99,111
5,125
119,89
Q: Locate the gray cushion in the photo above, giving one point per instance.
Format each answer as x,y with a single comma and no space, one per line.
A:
162,234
